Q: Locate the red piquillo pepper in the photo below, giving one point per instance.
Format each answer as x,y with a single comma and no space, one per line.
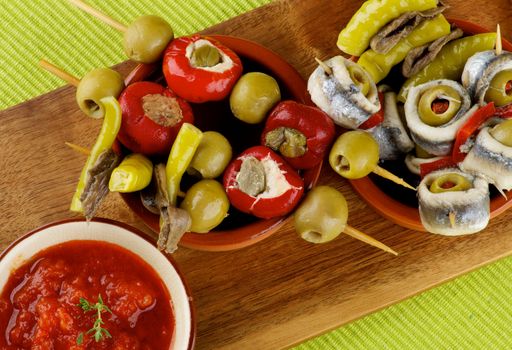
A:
152,117
504,111
200,68
376,118
300,133
441,163
469,127
261,183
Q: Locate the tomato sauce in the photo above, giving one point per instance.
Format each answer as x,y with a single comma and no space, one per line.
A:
39,306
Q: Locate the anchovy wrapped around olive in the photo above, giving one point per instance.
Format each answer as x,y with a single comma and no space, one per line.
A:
453,203
346,93
491,155
434,113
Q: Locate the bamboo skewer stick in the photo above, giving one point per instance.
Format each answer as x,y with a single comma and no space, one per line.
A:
325,67
71,79
499,45
99,15
451,216
392,177
352,232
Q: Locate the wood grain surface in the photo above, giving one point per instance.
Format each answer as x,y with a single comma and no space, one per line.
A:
283,290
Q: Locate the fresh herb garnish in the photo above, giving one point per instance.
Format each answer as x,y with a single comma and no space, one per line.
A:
97,331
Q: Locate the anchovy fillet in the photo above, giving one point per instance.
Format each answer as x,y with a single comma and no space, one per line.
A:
413,163
436,140
471,208
338,96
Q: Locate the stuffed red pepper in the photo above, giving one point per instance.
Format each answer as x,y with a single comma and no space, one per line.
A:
200,69
152,117
300,133
259,182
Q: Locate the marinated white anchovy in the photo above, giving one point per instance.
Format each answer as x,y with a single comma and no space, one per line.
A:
391,135
498,64
454,213
413,163
437,139
490,159
474,68
348,95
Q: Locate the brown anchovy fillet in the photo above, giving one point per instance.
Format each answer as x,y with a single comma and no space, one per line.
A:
389,35
174,222
419,57
96,187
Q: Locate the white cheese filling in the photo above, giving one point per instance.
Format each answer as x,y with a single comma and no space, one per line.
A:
225,63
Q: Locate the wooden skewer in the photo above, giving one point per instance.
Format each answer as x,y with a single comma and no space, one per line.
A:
59,72
99,15
499,47
451,216
392,177
325,67
352,232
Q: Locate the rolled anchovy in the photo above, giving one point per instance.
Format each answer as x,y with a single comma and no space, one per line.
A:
480,69
391,135
413,163
490,159
470,208
436,140
338,96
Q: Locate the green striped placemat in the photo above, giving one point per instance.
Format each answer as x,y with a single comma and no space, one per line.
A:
472,312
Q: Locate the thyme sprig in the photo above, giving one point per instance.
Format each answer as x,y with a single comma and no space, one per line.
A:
97,331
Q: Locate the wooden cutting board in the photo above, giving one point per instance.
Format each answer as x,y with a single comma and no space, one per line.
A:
283,290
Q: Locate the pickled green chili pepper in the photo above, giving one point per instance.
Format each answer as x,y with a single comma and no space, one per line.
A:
379,65
133,174
450,61
371,17
181,155
108,133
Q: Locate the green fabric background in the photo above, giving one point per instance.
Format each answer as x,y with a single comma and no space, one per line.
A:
472,312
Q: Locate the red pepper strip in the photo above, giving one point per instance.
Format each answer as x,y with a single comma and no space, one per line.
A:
445,162
145,129
376,118
504,111
316,126
199,84
469,127
259,205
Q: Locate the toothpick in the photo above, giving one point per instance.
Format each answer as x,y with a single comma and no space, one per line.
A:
392,177
77,148
451,216
499,47
99,15
324,66
70,79
352,232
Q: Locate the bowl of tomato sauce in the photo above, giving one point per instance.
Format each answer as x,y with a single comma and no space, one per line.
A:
92,285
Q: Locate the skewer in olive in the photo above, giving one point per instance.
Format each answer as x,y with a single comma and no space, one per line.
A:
144,39
323,215
502,132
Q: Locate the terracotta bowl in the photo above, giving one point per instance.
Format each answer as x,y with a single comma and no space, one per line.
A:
238,230
120,234
400,205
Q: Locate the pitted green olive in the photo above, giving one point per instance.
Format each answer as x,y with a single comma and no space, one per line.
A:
438,105
211,157
146,38
503,132
355,154
359,78
449,183
500,89
322,215
98,83
207,204
253,96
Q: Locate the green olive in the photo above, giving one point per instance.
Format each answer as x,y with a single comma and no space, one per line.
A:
500,89
207,204
438,105
98,83
421,153
322,215
359,78
503,132
146,38
211,157
449,183
253,96
355,154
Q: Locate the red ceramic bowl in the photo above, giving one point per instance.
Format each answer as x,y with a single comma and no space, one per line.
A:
238,230
127,237
386,198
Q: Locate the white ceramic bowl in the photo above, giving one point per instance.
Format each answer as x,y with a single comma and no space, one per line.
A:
117,233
